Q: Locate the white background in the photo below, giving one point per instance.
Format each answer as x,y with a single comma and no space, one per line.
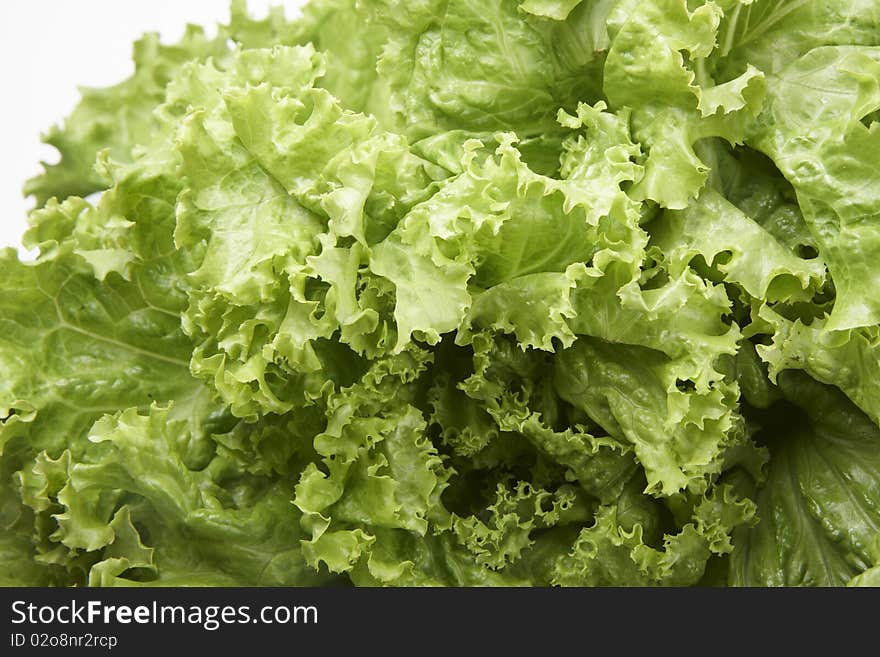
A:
49,48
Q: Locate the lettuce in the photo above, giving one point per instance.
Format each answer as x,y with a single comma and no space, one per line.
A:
448,293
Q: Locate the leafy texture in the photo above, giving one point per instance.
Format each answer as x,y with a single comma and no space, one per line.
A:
819,505
457,293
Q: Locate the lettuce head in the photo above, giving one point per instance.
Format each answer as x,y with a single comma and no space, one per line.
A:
447,292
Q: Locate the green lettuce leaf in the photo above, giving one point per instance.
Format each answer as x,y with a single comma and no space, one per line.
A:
742,250
116,119
818,506
478,67
657,67
814,134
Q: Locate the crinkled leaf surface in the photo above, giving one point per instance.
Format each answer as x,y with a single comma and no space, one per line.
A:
457,293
